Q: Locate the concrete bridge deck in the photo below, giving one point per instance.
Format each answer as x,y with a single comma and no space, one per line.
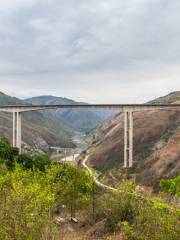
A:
120,107
128,110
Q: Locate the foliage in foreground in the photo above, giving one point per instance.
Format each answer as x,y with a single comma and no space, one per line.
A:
10,156
26,199
30,189
139,217
171,186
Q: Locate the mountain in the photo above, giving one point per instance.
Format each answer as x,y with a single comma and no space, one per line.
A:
42,129
78,119
156,145
39,131
170,98
7,100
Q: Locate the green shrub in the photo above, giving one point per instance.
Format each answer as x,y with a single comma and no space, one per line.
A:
77,186
138,216
117,206
37,162
8,153
26,199
171,186
154,219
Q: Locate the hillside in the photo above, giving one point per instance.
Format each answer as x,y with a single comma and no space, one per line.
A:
42,129
156,145
78,119
170,98
38,131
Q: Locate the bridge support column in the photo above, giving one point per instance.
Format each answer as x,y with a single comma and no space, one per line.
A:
14,128
128,139
17,130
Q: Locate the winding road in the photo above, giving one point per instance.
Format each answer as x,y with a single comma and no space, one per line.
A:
96,181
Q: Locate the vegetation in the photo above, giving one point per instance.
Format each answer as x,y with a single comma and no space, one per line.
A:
32,188
171,186
26,200
139,217
76,185
37,125
8,154
36,162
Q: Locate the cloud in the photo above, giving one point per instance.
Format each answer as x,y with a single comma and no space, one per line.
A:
96,50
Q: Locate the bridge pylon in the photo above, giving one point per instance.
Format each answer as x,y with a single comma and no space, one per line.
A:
128,139
17,138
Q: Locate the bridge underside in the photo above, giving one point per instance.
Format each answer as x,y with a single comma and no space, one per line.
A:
128,110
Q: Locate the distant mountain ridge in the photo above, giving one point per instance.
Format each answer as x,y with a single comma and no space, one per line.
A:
49,99
39,131
42,129
169,98
78,119
7,100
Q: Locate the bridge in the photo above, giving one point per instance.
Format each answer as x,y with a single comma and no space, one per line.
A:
127,109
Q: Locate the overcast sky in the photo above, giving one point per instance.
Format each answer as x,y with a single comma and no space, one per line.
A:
100,51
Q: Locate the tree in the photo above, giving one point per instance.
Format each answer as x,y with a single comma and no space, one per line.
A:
26,161
75,187
36,162
8,153
41,161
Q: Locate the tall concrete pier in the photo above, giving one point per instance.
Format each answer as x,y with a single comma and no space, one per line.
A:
17,138
128,139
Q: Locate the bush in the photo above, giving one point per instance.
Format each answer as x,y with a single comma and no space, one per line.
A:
26,199
25,160
77,187
37,162
171,186
138,216
8,153
117,206
153,219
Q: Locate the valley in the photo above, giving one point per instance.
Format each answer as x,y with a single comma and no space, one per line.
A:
71,154
51,128
66,134
89,120
156,146
82,181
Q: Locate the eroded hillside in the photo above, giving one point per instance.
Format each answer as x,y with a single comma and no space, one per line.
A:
156,145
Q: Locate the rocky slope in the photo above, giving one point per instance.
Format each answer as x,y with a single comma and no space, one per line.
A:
78,119
156,145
